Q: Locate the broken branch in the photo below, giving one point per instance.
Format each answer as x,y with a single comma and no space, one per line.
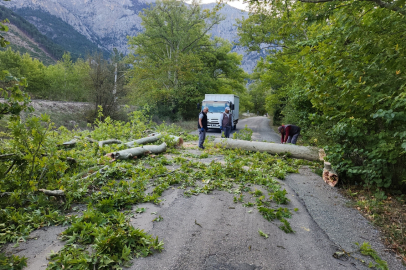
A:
111,141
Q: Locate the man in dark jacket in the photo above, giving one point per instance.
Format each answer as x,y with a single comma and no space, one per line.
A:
226,122
289,133
202,126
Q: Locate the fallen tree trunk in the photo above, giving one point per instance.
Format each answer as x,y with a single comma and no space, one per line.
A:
137,151
153,138
295,151
150,139
52,192
70,143
111,141
91,140
155,149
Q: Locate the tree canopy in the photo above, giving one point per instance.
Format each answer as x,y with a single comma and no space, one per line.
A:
175,61
332,69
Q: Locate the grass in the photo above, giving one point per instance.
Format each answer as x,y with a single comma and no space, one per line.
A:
389,214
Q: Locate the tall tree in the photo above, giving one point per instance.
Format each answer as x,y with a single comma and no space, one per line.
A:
105,85
175,60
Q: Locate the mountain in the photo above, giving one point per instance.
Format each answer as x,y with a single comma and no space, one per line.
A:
61,33
227,29
107,23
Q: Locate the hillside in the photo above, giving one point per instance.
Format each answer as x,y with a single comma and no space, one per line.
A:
61,33
108,23
24,44
26,38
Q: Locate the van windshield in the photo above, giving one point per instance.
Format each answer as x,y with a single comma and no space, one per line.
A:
215,106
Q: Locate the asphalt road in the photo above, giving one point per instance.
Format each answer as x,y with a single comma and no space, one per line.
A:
262,131
211,232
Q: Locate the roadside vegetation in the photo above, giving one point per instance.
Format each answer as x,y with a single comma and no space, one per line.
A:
336,72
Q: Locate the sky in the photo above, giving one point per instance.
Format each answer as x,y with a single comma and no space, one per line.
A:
234,3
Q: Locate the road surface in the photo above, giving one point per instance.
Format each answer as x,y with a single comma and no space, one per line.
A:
210,232
260,126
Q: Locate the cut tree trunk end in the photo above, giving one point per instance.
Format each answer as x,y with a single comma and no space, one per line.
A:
329,175
178,140
302,152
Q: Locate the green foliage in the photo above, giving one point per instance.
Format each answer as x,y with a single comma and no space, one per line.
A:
158,219
66,80
105,81
114,240
17,223
15,100
243,134
286,226
279,197
367,250
261,233
176,62
12,262
257,193
272,214
337,73
63,81
248,204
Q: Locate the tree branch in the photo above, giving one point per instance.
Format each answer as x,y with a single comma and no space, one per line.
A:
379,3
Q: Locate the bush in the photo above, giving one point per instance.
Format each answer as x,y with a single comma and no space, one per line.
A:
243,134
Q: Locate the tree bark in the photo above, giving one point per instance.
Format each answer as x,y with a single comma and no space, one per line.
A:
70,143
296,151
151,138
52,192
155,149
137,151
91,140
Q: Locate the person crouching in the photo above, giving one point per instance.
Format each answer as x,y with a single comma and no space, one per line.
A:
289,133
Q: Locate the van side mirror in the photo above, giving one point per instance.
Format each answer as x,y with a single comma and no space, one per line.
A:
232,106
199,106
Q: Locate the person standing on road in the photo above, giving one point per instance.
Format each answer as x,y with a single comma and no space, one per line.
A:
226,122
202,126
289,133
